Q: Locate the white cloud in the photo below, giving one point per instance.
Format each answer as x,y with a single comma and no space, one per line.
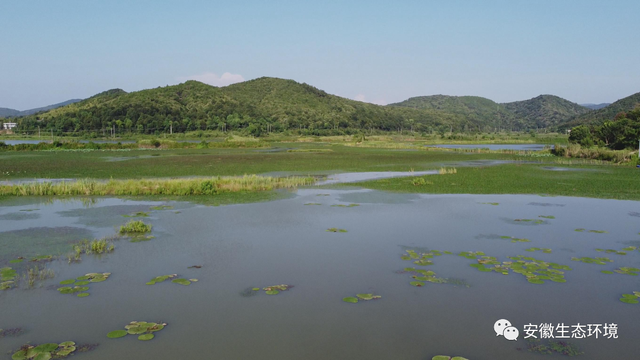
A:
213,79
363,98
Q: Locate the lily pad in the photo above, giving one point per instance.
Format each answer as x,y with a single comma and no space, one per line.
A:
67,282
350,299
117,334
84,294
184,282
272,292
417,283
146,337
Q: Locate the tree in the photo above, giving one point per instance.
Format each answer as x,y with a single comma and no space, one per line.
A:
581,135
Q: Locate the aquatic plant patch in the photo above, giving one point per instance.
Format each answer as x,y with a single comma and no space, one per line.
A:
628,271
96,246
361,297
345,206
532,221
535,271
491,203
174,279
591,231
421,276
514,239
631,298
145,330
270,290
135,227
137,214
446,357
45,351
547,216
544,250
618,252
161,207
11,332
588,260
7,278
17,261
336,230
553,347
80,285
313,204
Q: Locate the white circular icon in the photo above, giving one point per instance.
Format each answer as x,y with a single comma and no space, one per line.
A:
511,333
500,325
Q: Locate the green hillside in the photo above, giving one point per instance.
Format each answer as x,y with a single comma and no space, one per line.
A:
479,111
607,113
6,112
545,111
254,106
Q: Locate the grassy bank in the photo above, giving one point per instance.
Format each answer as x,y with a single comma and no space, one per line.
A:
611,182
177,187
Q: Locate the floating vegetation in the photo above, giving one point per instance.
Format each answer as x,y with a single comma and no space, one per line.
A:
421,276
41,258
421,257
346,206
174,279
269,290
28,210
471,254
547,216
631,298
7,278
45,351
628,271
608,272
80,287
161,207
445,357
363,297
195,267
514,239
135,227
144,330
544,250
588,260
591,231
323,195
17,261
553,347
617,252
313,204
11,332
137,214
490,203
533,221
535,271
336,230
141,238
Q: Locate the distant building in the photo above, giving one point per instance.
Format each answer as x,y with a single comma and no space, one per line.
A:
9,126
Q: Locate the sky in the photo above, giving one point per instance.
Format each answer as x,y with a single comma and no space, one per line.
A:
375,51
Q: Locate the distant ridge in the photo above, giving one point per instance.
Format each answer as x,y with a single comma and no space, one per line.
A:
606,113
595,106
545,111
5,112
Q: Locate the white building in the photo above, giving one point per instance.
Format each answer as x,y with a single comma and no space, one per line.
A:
9,126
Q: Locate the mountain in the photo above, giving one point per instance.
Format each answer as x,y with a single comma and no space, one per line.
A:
477,109
4,112
606,113
545,111
255,105
595,106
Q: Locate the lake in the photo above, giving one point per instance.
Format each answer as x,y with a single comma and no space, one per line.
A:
529,147
286,242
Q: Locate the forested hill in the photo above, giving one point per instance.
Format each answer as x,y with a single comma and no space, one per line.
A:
606,113
255,106
478,109
545,111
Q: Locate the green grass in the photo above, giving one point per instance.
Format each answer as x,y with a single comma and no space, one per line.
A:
612,182
222,162
179,187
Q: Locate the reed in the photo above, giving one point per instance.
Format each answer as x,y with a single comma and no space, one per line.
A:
180,187
445,171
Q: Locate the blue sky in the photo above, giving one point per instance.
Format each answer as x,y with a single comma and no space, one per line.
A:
376,51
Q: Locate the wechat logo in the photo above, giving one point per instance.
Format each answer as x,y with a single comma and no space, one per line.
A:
503,327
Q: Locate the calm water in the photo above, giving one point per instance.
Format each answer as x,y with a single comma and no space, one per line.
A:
530,147
284,241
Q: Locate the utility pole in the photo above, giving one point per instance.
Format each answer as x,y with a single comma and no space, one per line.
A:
171,129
